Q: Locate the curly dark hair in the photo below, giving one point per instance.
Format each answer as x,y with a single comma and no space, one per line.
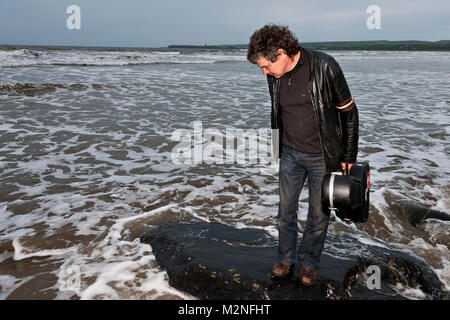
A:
265,42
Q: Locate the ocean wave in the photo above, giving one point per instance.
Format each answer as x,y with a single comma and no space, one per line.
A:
13,57
227,61
111,63
19,52
38,89
13,52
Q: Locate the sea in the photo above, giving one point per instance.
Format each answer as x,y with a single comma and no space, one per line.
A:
90,142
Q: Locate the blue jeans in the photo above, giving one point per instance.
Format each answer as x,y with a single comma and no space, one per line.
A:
295,167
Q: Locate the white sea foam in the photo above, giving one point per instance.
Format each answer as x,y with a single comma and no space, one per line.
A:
85,154
25,57
9,284
122,269
21,252
441,254
410,293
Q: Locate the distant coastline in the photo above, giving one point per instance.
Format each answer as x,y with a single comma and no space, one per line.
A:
377,45
410,45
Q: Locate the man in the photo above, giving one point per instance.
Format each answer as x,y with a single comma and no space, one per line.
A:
317,122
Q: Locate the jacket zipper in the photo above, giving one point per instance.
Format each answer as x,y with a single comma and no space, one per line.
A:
276,102
275,88
315,107
318,127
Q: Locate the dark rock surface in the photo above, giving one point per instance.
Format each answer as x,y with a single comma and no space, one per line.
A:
215,261
416,213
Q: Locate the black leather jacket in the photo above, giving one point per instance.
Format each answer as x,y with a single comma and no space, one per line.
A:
335,110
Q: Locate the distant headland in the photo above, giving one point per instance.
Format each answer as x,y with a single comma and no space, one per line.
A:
409,45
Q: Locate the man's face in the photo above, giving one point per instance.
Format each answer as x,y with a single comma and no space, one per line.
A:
277,68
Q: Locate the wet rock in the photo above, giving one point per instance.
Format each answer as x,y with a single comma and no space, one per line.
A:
416,213
215,261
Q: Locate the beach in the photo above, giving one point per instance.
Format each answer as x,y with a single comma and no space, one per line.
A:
86,160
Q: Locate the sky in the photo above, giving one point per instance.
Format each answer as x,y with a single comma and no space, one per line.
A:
159,23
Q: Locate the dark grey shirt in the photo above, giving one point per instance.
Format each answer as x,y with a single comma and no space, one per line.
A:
300,130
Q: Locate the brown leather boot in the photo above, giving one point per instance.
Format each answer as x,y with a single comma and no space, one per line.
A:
307,277
281,270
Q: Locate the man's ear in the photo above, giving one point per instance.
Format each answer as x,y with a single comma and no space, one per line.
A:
282,53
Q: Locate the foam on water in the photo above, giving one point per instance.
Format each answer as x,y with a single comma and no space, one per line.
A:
112,57
21,252
410,293
86,167
127,269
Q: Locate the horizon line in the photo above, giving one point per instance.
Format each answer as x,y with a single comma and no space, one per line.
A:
204,45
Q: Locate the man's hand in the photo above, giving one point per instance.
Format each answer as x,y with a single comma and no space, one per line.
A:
345,165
